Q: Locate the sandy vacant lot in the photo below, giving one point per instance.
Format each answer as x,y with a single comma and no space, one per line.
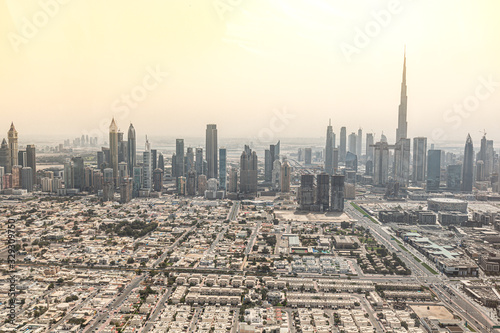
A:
434,312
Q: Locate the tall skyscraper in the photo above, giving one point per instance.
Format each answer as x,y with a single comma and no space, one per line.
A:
21,158
211,150
343,144
248,171
122,148
31,160
233,180
337,193
158,180
306,192
179,157
5,157
381,164
330,145
285,176
154,158
433,170
199,161
161,162
147,167
27,179
359,143
352,143
113,149
13,145
78,172
419,160
369,146
402,162
131,149
271,155
468,166
453,177
308,156
323,192
401,132
222,169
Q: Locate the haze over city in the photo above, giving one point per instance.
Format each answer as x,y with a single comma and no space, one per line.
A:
226,63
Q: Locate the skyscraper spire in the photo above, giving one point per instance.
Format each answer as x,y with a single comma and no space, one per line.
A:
401,132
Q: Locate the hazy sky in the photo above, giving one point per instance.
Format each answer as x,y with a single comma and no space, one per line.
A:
256,68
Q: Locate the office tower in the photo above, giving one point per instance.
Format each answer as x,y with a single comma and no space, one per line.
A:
100,160
369,147
453,177
5,157
202,184
337,194
87,179
7,181
267,166
158,180
306,192
351,162
248,171
179,157
126,186
122,148
343,144
189,161
131,149
154,158
359,143
433,170
308,156
419,160
97,181
78,172
490,158
174,165
383,138
323,192
27,179
191,182
402,162
401,132
271,155
68,174
381,164
300,155
31,160
147,167
329,147
211,150
122,172
199,161
113,149
285,176
335,161
222,169
276,176
21,158
233,181
468,166
161,162
2,174
137,181
480,173
13,147
107,157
